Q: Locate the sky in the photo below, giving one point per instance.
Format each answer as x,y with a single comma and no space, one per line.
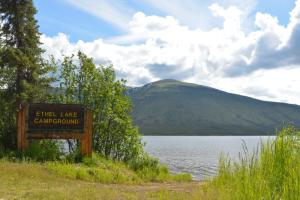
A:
249,47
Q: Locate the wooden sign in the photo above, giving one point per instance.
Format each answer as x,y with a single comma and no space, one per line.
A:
55,121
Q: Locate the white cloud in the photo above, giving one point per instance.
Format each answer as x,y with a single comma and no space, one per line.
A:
247,6
114,12
231,16
194,13
280,84
190,12
265,59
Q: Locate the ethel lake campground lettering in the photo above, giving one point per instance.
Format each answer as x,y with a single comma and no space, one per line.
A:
66,118
55,117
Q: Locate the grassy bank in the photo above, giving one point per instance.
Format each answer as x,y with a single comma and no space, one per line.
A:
98,169
272,174
30,180
101,170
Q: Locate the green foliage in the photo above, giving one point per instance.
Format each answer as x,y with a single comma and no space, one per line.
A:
7,122
105,173
23,72
81,82
149,169
272,174
2,151
142,162
44,150
184,177
99,169
38,151
96,168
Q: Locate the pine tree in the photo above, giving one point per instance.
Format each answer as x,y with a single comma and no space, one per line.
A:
23,73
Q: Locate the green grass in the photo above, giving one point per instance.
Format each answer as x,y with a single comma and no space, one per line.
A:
34,181
23,177
96,169
116,174
101,170
149,169
54,180
272,174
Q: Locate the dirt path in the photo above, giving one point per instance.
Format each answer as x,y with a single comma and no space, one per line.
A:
175,187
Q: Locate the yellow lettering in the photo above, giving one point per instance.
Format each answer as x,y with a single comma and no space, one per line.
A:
37,113
69,114
45,114
51,118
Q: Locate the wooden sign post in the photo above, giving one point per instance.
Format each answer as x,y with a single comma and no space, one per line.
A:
55,121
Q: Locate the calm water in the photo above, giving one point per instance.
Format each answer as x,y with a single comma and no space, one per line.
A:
198,155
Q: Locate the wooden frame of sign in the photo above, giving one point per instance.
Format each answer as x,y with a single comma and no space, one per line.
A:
55,121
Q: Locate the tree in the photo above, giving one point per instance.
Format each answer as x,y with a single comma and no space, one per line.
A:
23,72
97,88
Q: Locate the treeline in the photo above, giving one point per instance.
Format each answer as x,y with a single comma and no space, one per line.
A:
26,77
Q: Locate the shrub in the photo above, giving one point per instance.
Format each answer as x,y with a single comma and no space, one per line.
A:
44,150
149,169
142,162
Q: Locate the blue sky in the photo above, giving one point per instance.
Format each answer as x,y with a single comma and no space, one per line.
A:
56,16
243,47
64,16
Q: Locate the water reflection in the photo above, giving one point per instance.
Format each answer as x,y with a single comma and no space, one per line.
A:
199,155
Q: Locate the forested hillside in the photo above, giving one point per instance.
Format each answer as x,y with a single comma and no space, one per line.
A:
170,107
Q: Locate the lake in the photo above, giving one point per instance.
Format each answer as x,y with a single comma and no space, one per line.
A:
199,155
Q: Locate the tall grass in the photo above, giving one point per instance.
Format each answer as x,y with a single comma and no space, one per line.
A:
96,169
271,173
99,169
149,169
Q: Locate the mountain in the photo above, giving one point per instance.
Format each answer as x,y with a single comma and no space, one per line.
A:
170,107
